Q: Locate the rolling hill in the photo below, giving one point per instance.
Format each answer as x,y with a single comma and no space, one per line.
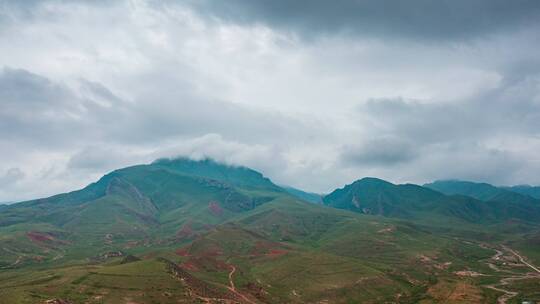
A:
179,230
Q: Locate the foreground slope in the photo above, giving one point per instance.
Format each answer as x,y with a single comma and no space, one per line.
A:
182,231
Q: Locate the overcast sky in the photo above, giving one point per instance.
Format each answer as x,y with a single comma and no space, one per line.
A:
314,94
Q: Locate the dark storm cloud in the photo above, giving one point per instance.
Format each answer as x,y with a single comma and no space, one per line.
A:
424,19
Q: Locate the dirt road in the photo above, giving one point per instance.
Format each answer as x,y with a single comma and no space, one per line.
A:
508,294
521,259
233,288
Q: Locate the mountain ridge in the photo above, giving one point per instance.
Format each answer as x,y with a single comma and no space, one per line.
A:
376,196
481,191
230,233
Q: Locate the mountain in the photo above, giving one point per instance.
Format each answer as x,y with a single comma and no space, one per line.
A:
185,231
483,191
374,196
533,191
165,200
307,196
210,169
408,201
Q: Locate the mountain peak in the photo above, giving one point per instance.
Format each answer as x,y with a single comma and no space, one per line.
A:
186,161
212,169
372,181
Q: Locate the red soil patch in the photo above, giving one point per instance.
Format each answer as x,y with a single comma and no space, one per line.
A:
189,265
206,263
185,232
183,252
213,251
276,252
215,208
39,237
261,248
268,248
196,250
208,249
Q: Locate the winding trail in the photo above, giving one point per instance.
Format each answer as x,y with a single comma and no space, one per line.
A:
508,294
231,282
521,259
232,287
505,297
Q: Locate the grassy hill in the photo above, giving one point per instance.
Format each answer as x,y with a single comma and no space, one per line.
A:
183,231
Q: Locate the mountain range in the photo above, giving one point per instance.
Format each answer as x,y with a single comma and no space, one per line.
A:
180,230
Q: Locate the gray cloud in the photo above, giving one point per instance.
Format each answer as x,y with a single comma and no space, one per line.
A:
418,19
98,131
42,112
479,138
513,108
100,159
409,92
11,176
35,109
379,152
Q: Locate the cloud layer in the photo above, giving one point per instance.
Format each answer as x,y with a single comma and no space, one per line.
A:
314,94
417,19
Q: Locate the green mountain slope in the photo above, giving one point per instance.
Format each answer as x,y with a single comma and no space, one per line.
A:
210,169
525,190
162,201
375,196
483,191
183,231
306,196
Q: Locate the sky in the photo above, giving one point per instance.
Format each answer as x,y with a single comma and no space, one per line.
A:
314,94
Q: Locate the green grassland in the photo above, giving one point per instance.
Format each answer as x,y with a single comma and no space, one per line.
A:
196,232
